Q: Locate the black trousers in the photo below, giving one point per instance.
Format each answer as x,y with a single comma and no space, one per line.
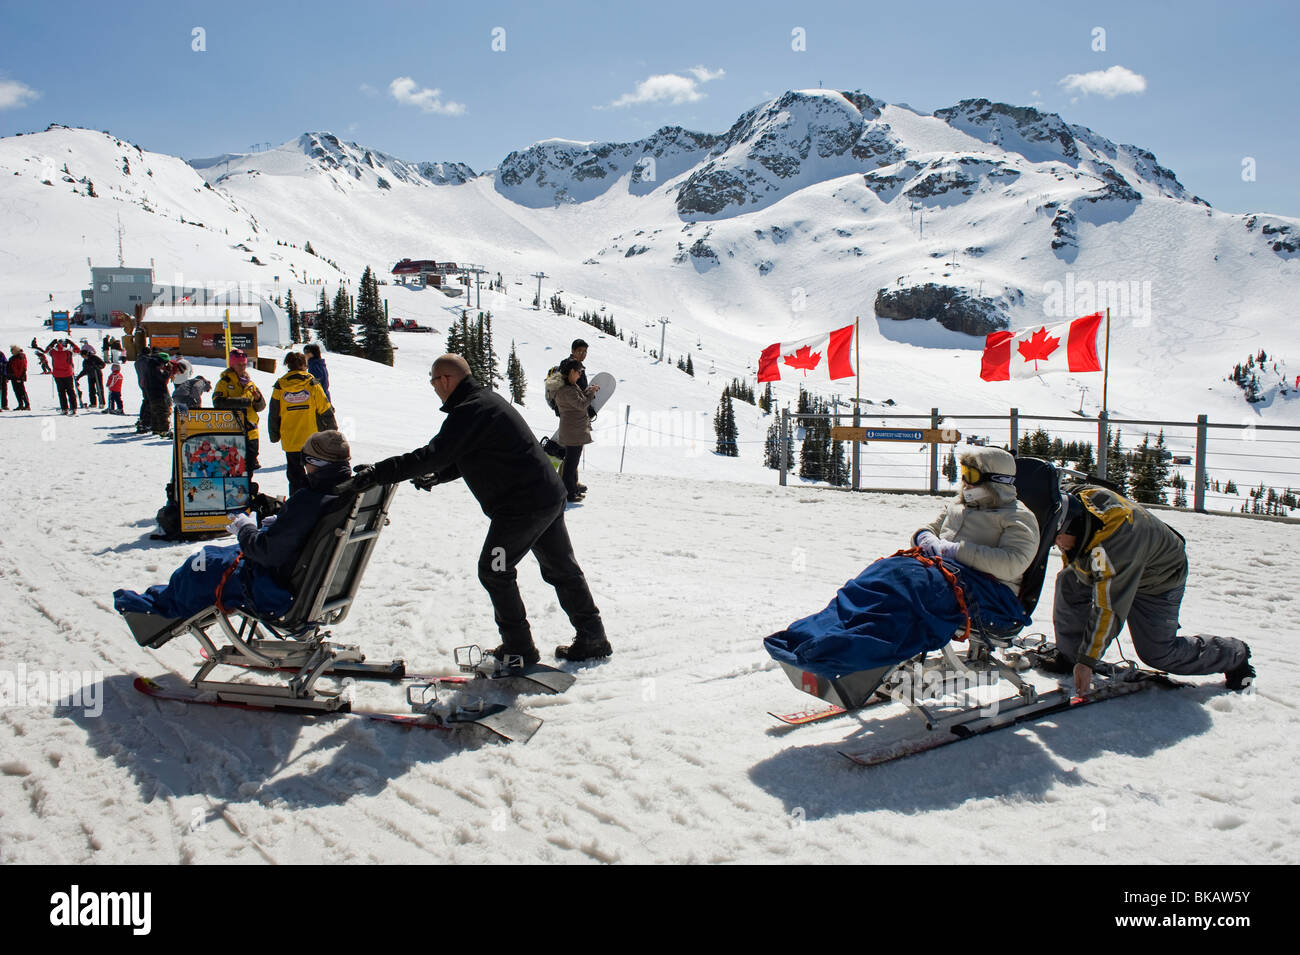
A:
20,392
296,472
509,538
67,394
572,455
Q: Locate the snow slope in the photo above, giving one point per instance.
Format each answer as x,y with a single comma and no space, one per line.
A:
662,754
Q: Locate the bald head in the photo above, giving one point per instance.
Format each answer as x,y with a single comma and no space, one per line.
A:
447,374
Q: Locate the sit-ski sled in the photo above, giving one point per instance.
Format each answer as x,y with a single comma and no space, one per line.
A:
992,657
296,646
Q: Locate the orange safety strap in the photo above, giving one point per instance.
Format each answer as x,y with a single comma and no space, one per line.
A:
949,576
221,586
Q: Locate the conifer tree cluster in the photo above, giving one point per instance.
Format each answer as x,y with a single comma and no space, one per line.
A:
374,344
515,374
1040,444
820,458
1246,376
1269,502
688,366
724,428
765,400
473,342
741,391
604,323
334,324
774,442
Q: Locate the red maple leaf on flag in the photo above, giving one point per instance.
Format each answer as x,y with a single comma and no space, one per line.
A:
804,358
1039,347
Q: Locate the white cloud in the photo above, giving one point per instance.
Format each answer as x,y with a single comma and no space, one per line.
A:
404,90
703,74
15,95
1116,81
368,89
668,88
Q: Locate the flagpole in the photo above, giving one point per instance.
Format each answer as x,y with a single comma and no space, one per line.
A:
857,359
1105,375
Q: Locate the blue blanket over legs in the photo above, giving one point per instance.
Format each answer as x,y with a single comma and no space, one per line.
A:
193,587
890,612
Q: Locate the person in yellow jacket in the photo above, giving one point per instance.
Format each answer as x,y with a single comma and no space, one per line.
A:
236,390
299,409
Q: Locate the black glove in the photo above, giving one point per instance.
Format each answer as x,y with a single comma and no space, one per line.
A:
425,482
363,477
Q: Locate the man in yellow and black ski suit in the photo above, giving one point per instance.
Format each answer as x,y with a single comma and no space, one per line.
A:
237,390
1123,565
299,409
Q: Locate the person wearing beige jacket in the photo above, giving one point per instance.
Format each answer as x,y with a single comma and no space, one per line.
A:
572,401
986,527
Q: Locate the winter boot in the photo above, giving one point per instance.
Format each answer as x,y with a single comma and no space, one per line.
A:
1050,660
582,649
1242,675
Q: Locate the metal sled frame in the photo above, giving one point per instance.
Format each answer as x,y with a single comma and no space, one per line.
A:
325,582
987,651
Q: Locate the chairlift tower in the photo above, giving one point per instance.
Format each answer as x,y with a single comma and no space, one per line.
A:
539,276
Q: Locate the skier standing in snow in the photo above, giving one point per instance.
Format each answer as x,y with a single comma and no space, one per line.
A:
574,403
237,390
486,441
316,368
60,353
299,409
1123,565
18,376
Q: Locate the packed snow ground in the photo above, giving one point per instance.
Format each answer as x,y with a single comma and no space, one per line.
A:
665,753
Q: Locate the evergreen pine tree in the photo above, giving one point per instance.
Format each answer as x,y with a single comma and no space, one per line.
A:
1145,490
950,467
772,445
1086,463
375,344
1117,464
341,325
724,428
295,324
323,320
690,366
765,402
515,372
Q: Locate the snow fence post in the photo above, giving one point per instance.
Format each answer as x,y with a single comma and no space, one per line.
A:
1198,494
857,448
1103,441
785,444
934,453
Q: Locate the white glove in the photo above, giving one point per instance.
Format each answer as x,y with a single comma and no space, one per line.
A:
269,521
238,523
947,550
925,540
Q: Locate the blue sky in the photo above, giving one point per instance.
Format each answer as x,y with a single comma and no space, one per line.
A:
1203,85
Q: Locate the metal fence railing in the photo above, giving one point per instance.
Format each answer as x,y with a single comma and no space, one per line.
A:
1213,467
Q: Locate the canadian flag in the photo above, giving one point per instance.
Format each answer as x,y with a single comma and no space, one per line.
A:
829,355
1033,351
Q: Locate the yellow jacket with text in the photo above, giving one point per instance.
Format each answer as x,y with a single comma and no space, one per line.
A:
299,409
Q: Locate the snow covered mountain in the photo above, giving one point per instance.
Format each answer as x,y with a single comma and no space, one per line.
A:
813,208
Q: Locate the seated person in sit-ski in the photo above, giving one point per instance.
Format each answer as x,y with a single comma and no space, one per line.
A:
986,527
900,606
267,555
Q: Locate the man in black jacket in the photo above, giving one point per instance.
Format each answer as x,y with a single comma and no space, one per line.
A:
485,441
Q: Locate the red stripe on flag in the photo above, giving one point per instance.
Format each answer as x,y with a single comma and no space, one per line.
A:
996,364
769,363
840,353
1083,343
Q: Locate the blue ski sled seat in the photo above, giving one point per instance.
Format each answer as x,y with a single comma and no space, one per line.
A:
323,585
858,643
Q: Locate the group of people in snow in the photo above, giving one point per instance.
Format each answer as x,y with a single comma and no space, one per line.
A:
1121,563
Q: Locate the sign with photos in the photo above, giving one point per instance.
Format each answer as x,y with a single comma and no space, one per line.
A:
211,468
